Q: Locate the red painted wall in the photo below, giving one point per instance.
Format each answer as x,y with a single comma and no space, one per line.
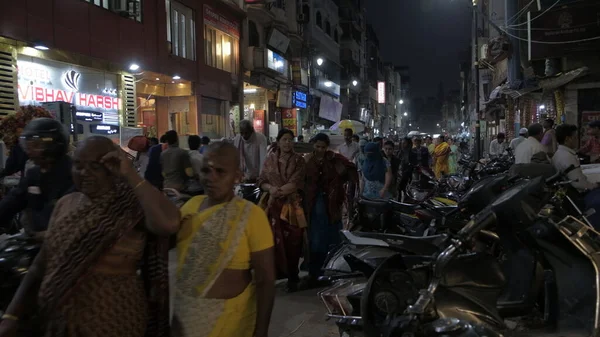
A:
83,28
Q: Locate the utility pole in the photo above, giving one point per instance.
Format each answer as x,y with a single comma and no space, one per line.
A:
476,65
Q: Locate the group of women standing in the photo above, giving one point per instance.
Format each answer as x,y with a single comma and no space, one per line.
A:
303,198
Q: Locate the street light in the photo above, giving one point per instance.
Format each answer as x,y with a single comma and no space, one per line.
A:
401,101
438,125
409,124
406,114
355,83
320,61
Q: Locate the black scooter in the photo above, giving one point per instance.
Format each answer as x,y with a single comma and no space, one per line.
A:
463,294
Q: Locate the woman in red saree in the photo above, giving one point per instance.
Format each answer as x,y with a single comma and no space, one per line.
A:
282,177
101,272
326,174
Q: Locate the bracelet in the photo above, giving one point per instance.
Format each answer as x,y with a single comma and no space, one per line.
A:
10,317
139,184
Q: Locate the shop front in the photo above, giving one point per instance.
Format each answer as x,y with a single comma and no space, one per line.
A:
87,99
166,103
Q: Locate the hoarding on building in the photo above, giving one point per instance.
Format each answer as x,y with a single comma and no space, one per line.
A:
94,93
218,21
381,92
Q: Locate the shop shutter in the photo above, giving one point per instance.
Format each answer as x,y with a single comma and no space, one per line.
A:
129,113
8,80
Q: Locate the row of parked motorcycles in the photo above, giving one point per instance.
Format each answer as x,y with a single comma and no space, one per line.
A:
513,249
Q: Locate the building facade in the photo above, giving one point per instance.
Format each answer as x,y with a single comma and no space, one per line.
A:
161,78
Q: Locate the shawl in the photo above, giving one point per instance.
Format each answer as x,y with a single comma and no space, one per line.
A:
328,175
82,232
374,167
278,173
441,150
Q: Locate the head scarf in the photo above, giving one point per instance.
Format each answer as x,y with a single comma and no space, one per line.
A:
373,167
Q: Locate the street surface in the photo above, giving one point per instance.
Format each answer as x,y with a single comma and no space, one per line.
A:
295,315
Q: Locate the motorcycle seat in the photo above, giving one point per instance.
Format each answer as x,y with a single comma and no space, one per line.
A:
425,245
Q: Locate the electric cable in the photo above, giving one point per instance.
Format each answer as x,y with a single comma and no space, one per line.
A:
552,42
544,12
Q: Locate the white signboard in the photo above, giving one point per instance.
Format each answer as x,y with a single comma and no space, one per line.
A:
330,109
381,92
93,92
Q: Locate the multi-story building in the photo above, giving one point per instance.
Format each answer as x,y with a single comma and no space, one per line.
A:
127,66
376,81
355,88
275,81
322,34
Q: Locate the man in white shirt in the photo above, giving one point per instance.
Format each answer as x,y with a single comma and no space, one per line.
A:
515,142
498,146
531,145
565,157
349,149
253,150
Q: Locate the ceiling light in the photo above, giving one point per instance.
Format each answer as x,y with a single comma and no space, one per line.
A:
40,47
158,79
249,91
176,77
134,67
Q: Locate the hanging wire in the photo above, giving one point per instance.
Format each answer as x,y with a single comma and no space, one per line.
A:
519,13
541,14
549,29
552,42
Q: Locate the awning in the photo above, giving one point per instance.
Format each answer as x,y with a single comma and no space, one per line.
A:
555,82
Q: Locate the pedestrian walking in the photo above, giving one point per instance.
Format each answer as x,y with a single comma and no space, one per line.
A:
282,178
377,174
326,173
225,282
86,277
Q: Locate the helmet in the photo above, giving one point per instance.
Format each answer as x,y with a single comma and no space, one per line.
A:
47,135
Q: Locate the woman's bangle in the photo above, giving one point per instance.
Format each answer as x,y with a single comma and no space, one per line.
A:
139,184
10,317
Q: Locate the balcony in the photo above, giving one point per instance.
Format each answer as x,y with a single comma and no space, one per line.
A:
263,60
266,13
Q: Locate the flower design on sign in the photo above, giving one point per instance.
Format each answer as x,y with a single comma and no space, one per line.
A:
72,80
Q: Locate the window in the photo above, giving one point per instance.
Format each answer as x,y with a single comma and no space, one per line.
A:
319,20
335,36
221,50
253,36
181,30
328,28
127,8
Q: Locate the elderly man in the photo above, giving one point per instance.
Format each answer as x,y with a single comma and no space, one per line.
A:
531,146
252,147
498,146
515,142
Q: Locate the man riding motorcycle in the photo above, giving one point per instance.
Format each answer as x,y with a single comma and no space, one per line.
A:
46,142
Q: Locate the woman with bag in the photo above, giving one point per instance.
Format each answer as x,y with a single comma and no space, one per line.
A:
326,174
282,178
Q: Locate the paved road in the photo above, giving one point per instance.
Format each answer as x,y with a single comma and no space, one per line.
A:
300,315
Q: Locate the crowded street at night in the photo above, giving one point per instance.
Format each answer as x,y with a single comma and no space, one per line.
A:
300,168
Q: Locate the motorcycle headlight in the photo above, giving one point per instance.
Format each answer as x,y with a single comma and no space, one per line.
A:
336,298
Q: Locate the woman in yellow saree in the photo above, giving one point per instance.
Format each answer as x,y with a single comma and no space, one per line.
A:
225,281
440,158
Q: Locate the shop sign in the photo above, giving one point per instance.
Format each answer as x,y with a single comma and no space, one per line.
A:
568,22
89,116
218,21
104,129
589,116
299,100
289,119
277,62
381,92
259,121
92,92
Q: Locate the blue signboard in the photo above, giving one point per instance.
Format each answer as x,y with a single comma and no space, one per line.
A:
299,99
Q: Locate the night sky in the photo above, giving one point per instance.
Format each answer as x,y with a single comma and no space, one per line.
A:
426,35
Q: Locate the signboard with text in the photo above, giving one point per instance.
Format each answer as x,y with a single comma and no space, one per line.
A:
92,92
299,100
218,21
289,119
104,129
381,92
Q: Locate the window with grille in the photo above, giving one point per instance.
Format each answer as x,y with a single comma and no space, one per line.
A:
181,30
127,8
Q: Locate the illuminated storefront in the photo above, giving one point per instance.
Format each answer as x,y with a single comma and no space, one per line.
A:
93,93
